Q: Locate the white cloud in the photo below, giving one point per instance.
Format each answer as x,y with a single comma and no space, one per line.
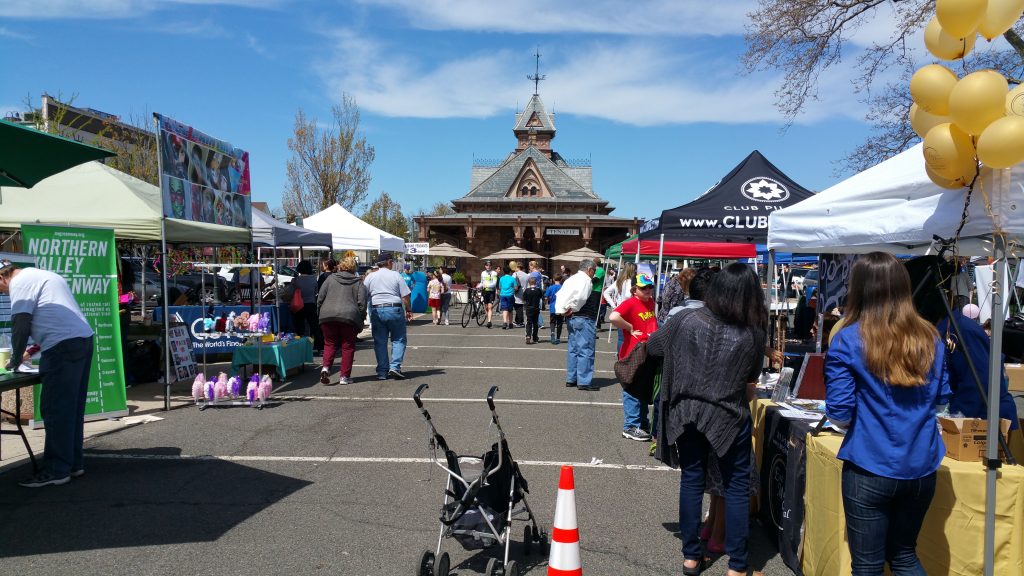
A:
255,45
639,82
646,18
8,33
107,9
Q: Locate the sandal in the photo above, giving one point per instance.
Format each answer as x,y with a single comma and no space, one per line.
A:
696,570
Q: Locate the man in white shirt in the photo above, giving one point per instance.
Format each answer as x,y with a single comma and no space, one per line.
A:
578,302
446,296
389,311
43,307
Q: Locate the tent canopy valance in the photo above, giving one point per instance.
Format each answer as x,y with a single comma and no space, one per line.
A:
267,231
734,210
348,232
94,194
674,249
894,207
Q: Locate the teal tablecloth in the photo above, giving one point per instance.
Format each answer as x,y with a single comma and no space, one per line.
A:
284,356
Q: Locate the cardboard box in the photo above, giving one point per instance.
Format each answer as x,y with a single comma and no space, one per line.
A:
967,438
1015,373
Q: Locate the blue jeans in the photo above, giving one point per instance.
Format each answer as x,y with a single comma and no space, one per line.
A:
579,362
388,323
693,451
883,518
634,412
65,370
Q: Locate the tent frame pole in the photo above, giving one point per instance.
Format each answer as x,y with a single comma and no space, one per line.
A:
657,277
619,271
995,371
166,313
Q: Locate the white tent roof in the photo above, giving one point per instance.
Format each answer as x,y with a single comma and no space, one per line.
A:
894,207
93,194
267,231
351,233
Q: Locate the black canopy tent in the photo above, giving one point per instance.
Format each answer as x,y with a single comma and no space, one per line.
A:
734,210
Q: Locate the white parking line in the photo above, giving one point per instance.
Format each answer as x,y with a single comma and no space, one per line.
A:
487,367
594,463
533,349
512,401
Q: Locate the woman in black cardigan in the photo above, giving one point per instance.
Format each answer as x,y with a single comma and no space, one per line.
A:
711,356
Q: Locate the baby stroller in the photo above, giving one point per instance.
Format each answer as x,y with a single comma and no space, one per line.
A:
479,501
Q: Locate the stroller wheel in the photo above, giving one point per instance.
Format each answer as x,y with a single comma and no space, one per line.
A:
441,565
492,568
511,569
425,565
545,545
527,540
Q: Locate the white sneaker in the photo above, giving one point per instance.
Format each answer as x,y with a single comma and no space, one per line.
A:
344,381
446,323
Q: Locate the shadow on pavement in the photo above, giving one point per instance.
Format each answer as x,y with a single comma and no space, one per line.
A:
135,498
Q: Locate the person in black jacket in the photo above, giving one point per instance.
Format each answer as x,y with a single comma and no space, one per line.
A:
532,298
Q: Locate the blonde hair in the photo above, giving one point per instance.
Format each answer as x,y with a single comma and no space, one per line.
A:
513,266
899,345
347,264
628,272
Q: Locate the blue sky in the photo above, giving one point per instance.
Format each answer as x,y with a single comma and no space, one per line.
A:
652,92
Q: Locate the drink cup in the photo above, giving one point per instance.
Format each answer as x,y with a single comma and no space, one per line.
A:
5,357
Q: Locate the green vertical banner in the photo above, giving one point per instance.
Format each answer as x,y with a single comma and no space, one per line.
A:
87,259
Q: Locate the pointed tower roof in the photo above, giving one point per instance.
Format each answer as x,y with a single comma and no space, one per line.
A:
535,117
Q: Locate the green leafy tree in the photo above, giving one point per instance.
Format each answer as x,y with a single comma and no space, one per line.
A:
804,38
385,213
329,165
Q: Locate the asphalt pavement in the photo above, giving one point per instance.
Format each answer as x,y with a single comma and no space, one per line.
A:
338,479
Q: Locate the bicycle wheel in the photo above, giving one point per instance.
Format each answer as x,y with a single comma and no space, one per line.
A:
481,313
467,314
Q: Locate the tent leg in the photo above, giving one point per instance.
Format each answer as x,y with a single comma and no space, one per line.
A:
610,327
995,371
167,319
657,278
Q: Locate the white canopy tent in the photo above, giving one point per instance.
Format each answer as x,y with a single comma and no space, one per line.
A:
894,207
350,233
93,194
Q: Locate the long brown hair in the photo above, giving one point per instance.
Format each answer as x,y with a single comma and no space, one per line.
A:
899,345
628,272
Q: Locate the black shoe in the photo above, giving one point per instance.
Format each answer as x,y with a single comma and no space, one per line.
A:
570,384
396,374
43,479
325,377
488,324
636,434
586,388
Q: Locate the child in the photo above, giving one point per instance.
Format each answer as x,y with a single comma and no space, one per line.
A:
434,290
532,298
556,320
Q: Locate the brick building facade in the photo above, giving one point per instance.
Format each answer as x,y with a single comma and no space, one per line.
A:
534,198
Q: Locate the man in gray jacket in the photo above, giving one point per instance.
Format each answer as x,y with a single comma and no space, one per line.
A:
342,304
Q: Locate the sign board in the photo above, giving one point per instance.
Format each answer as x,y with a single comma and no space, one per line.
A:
562,231
650,225
202,179
226,331
417,249
86,259
833,280
181,353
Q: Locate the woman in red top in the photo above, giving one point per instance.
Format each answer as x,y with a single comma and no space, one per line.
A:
635,317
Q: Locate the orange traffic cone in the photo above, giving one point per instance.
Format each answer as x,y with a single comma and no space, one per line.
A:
565,536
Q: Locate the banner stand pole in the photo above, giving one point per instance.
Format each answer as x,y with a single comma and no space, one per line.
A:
166,309
619,269
657,278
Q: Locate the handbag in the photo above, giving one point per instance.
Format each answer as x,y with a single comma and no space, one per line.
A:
626,369
296,304
636,373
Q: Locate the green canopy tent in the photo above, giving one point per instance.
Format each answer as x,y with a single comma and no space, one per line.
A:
614,252
28,155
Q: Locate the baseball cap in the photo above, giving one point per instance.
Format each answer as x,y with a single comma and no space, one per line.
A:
644,280
487,262
383,258
5,265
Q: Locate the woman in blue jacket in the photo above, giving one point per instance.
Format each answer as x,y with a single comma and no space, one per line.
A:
884,379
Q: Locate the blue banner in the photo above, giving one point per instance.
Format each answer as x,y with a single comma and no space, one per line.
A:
219,332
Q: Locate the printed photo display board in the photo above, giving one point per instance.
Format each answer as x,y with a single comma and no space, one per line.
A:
202,179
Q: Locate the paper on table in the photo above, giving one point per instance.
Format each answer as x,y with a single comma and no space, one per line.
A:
800,414
28,368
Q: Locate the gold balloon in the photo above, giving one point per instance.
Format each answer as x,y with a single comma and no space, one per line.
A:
942,182
977,100
1015,101
960,17
944,46
922,121
999,17
930,87
949,151
1001,145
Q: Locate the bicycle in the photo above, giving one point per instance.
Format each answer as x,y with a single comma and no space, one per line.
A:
474,308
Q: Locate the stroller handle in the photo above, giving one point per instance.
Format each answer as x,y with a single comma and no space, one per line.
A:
490,397
416,395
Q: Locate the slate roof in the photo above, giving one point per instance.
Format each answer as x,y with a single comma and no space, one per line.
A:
558,179
547,121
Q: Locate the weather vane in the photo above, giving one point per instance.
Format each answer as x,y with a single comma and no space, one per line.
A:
537,76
